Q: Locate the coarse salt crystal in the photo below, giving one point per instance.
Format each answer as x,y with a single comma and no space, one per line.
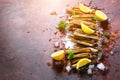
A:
68,43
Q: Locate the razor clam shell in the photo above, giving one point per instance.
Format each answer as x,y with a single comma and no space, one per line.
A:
81,55
81,32
76,8
77,22
83,42
73,65
85,35
83,15
92,41
85,50
82,18
73,61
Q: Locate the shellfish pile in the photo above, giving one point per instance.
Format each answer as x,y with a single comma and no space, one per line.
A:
85,32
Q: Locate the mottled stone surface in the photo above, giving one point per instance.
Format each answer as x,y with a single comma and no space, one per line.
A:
28,32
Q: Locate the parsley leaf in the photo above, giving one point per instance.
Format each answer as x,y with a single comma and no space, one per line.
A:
73,13
95,18
70,55
62,24
107,35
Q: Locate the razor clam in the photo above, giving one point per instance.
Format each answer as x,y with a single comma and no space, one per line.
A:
72,26
94,27
81,32
73,61
73,65
75,7
87,49
68,11
85,35
83,15
99,56
83,42
78,10
78,46
77,22
88,40
94,50
82,18
96,33
81,55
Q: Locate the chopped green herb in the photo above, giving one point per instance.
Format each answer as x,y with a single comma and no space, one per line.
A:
107,35
70,55
95,18
73,13
62,24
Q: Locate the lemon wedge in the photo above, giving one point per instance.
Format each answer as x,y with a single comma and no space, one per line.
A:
100,15
59,55
82,62
86,29
84,8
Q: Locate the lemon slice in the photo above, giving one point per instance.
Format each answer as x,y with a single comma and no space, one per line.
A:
84,8
86,29
82,62
100,15
59,55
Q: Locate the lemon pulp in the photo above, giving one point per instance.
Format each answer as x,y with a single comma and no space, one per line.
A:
82,62
84,8
86,29
100,15
59,55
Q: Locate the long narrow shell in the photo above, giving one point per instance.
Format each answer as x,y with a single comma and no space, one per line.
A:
85,35
86,50
80,55
87,45
82,42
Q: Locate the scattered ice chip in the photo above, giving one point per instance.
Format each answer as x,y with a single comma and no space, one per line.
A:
101,66
89,71
68,68
91,66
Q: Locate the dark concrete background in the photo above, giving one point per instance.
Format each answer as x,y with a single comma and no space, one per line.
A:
27,34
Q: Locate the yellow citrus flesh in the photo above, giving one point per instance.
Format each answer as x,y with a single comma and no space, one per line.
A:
59,55
84,8
82,62
86,29
100,15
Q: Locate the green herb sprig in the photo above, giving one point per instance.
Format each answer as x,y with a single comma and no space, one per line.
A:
70,55
95,18
62,24
107,35
73,13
